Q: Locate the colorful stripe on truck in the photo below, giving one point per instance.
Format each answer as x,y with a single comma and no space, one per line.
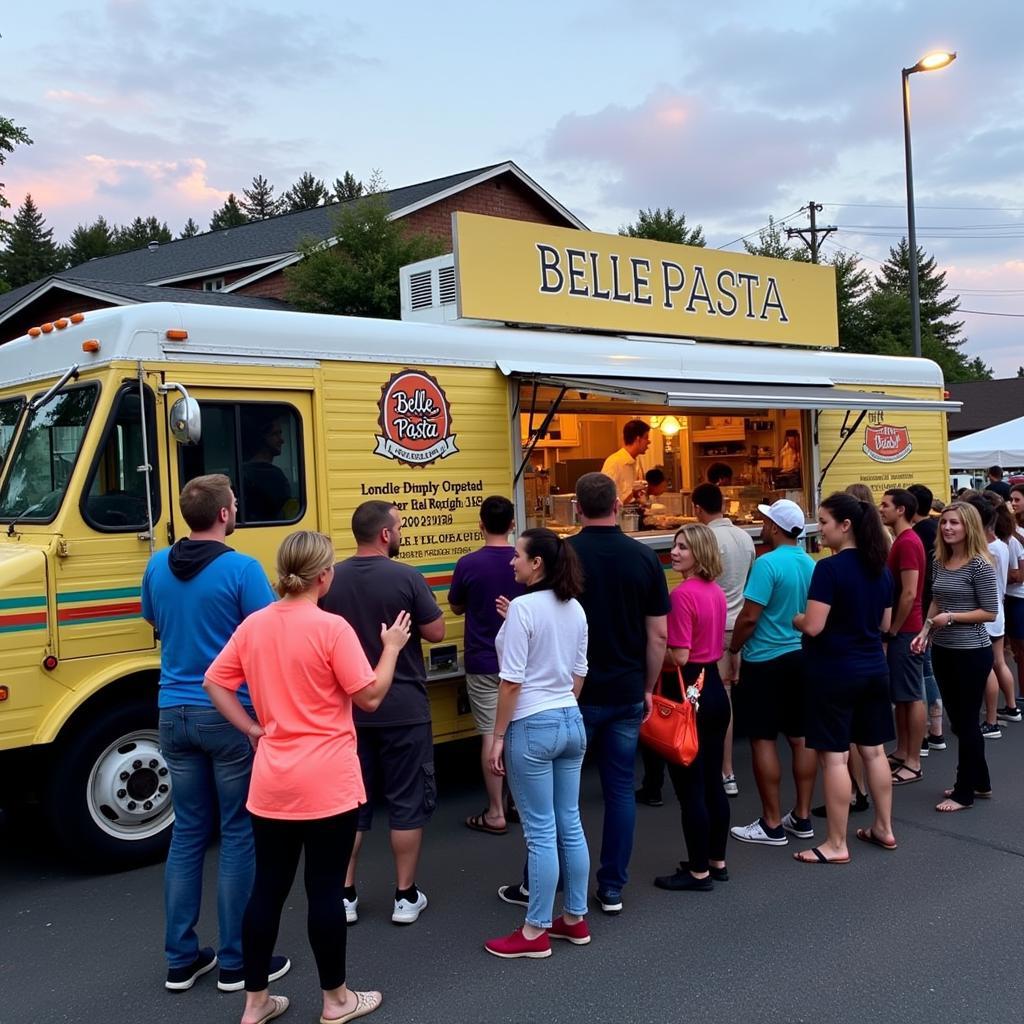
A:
18,614
438,577
83,607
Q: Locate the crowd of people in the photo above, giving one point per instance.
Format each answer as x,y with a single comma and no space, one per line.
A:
281,719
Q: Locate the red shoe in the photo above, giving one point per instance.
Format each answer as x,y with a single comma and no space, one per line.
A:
516,945
578,934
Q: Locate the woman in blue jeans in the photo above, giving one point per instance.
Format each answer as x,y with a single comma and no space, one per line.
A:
539,739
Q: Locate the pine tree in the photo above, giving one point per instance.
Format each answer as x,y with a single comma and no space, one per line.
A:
306,194
140,233
229,215
376,184
190,230
347,187
90,242
771,242
29,251
258,202
664,226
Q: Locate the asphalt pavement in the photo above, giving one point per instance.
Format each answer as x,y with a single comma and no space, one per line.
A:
930,932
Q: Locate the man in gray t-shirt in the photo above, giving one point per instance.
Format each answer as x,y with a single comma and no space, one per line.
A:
396,748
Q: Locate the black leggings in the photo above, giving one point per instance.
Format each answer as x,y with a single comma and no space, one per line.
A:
328,846
703,804
961,675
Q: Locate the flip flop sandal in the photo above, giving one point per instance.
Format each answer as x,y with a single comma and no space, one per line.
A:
899,780
895,762
865,835
978,794
280,1005
820,858
952,810
478,823
366,1002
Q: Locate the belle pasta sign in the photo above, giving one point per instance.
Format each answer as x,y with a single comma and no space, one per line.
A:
533,274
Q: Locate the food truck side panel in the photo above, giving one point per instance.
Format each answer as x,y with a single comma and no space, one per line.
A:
435,441
887,450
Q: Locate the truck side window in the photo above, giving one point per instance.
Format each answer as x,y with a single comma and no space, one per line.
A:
258,446
115,495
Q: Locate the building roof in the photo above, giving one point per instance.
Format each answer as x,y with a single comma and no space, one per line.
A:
986,403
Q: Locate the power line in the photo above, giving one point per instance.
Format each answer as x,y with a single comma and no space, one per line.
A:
1014,226
902,206
757,231
989,312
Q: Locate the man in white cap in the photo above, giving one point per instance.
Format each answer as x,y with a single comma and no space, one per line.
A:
768,699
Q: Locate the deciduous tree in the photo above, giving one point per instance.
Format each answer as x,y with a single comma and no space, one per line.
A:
11,135
358,276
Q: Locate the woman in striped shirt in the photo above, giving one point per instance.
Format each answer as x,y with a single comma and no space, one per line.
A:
964,597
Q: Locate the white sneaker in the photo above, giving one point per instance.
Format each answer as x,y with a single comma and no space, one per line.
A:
351,910
730,786
408,913
755,832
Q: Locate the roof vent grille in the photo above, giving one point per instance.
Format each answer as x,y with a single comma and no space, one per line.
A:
419,289
153,245
446,286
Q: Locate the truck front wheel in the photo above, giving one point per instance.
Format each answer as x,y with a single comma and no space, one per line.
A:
109,798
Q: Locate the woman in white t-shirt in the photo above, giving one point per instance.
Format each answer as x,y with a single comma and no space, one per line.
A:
539,738
1004,528
1015,589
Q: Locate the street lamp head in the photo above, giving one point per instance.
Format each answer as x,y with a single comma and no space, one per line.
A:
932,62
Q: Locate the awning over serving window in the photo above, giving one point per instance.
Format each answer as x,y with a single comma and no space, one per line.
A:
721,395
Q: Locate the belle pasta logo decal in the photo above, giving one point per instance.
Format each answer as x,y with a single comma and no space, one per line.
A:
415,420
884,443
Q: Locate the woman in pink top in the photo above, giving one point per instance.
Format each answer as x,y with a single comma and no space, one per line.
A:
696,629
305,668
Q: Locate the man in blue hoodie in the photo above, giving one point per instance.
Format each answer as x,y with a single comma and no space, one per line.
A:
195,594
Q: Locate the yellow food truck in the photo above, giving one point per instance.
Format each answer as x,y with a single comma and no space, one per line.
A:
104,416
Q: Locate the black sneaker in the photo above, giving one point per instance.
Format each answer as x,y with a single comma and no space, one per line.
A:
936,742
991,732
717,874
234,981
925,749
180,979
644,796
610,900
802,828
514,894
1009,715
683,881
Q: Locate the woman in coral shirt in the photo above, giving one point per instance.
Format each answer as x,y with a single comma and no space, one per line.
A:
305,668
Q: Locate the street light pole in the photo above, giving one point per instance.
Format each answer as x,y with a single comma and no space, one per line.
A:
930,63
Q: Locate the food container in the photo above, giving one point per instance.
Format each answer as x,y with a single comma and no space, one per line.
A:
562,509
630,520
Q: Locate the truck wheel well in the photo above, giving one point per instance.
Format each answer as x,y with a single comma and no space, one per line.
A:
127,688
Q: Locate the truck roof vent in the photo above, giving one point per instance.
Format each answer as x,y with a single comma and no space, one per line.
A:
446,286
419,289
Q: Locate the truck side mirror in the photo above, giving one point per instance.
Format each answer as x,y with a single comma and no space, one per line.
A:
186,421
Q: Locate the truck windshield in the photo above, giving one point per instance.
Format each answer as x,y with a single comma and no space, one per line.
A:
45,455
10,410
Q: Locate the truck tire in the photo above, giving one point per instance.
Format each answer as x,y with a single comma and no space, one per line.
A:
109,794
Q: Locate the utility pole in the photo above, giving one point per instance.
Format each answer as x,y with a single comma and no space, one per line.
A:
810,236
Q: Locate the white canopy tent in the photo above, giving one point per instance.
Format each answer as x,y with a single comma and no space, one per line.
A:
1001,445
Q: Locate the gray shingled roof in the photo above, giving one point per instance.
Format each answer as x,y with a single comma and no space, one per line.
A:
986,404
265,239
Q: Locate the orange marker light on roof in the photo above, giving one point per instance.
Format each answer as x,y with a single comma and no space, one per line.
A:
177,335
60,324
34,332
90,345
47,328
77,318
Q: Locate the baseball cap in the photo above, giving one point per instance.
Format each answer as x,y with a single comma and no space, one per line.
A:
787,515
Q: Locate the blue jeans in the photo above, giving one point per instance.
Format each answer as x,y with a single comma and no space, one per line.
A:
613,732
210,763
543,756
931,686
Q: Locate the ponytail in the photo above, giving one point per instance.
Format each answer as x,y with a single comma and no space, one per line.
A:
562,569
866,524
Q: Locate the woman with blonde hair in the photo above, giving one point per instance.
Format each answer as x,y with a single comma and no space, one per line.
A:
305,669
965,596
696,630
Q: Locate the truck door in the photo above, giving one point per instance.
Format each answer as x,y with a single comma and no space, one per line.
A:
263,442
98,571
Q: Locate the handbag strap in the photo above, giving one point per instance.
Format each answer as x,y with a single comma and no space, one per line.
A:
682,682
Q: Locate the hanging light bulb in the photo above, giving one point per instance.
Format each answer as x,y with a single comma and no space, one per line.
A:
669,425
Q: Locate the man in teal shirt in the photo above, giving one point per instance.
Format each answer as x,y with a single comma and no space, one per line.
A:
768,698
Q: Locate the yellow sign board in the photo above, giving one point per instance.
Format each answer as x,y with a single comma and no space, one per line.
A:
519,272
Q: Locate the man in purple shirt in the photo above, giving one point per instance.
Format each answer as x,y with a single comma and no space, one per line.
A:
480,579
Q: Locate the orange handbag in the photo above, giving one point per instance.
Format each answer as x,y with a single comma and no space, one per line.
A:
671,729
